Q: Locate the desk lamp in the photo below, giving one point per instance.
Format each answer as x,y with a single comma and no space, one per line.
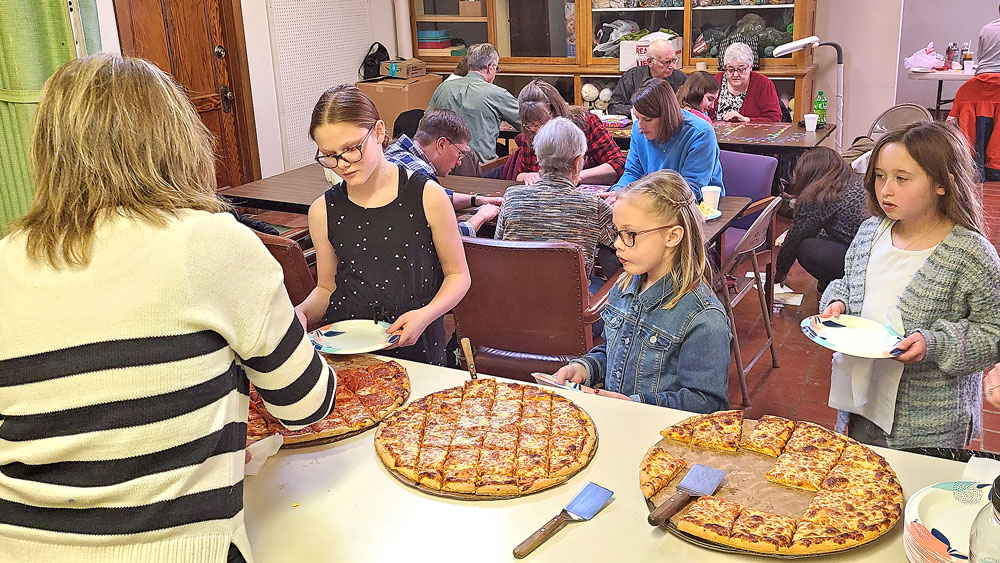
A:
813,41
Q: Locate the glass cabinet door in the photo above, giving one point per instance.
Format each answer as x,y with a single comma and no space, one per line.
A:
444,28
532,29
617,20
762,24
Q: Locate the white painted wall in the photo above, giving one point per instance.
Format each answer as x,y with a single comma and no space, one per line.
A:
109,27
868,32
929,20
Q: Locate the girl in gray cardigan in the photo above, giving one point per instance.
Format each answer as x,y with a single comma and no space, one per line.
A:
924,255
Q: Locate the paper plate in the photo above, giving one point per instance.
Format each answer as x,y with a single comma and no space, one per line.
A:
939,519
854,336
921,70
715,214
355,336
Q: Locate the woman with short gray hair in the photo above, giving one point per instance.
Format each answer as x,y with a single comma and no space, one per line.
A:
744,95
553,208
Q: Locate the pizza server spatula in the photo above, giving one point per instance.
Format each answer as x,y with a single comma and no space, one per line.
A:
700,480
584,506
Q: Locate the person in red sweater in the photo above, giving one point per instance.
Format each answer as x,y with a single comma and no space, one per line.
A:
744,95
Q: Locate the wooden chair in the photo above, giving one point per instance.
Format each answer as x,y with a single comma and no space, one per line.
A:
300,279
528,308
756,237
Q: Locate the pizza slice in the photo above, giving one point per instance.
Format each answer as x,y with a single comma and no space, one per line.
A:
482,388
496,473
567,454
720,430
537,394
657,469
468,439
570,420
531,470
500,441
537,408
710,517
399,449
762,532
509,392
437,435
811,537
799,470
682,430
257,425
348,406
769,435
862,456
812,439
535,425
839,509
430,466
864,483
533,444
461,471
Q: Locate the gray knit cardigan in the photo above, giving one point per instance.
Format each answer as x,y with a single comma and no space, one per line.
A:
954,302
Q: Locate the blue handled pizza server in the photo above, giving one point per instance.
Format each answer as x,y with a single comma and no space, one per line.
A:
700,480
583,507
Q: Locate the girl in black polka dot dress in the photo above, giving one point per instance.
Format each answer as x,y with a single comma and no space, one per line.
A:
387,244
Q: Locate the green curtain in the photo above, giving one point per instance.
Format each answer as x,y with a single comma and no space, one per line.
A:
34,42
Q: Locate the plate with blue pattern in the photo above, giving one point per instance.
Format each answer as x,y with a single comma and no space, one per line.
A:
852,335
355,336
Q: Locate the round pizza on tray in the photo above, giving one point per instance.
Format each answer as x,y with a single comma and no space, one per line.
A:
368,389
849,493
487,439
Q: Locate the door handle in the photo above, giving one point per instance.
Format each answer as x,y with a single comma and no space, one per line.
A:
227,99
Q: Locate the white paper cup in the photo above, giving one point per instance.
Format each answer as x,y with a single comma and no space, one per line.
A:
711,194
811,120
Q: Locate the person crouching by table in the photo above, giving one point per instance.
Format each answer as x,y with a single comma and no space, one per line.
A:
552,208
134,309
386,238
666,137
539,102
666,334
744,95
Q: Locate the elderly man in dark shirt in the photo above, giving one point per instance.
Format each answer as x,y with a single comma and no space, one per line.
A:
662,60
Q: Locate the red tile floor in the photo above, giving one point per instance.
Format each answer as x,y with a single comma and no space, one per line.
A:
800,386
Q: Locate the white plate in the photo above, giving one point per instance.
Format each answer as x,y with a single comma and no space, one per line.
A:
355,336
715,214
939,519
921,70
854,336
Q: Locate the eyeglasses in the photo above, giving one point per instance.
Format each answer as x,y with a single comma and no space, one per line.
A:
737,70
350,156
462,153
628,237
665,62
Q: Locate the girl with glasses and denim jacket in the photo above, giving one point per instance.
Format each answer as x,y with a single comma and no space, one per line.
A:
386,239
666,334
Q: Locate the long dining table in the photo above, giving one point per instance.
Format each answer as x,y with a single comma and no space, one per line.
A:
295,190
338,502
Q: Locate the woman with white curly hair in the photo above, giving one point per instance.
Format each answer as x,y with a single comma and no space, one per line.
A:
744,95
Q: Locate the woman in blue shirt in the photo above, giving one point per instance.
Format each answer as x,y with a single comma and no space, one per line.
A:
666,334
666,137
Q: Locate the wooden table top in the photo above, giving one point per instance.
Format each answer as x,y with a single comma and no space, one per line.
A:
731,207
781,136
295,190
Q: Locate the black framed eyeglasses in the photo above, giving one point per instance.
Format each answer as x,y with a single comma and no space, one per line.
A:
737,70
628,237
350,156
462,153
665,62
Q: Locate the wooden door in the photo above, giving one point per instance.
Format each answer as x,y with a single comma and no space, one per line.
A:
188,39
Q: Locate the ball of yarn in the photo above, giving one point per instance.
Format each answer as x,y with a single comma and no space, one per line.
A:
589,92
605,95
601,104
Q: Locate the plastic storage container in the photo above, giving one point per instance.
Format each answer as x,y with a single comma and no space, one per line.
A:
984,540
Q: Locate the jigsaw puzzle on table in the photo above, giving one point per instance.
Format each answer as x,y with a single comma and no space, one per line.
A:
757,133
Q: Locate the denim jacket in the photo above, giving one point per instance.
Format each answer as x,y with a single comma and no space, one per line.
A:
676,358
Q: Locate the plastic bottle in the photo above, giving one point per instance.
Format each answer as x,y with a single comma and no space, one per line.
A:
984,540
819,108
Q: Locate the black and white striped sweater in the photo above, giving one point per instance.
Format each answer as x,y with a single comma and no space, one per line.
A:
123,390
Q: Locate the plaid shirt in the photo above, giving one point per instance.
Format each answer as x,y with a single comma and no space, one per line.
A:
601,148
404,151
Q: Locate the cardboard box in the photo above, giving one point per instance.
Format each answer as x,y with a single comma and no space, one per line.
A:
404,68
393,96
633,53
473,8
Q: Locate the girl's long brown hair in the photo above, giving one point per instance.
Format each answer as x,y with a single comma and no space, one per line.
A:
943,153
673,202
112,136
655,98
540,101
698,83
820,174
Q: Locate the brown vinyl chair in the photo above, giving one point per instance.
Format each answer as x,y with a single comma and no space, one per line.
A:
759,235
528,308
300,279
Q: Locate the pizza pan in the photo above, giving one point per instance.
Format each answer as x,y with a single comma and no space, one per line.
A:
469,496
746,484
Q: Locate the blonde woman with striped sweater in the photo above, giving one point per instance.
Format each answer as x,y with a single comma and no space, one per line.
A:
134,313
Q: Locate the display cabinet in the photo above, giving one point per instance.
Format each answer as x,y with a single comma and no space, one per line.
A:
572,40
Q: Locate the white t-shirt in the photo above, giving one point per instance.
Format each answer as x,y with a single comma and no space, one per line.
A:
864,386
